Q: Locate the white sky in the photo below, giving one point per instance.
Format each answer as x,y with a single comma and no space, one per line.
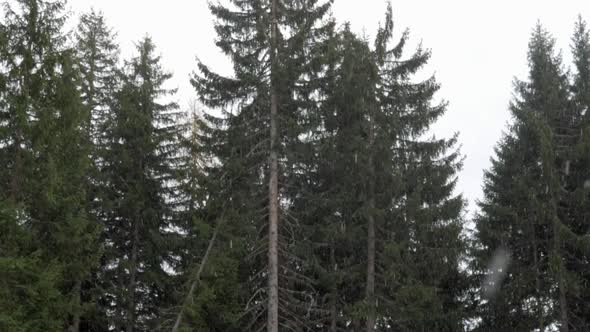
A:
478,48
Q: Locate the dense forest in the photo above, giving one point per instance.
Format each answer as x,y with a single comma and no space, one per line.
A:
305,192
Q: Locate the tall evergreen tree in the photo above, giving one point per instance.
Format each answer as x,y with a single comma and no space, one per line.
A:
528,207
332,182
143,145
264,113
47,157
419,215
60,206
384,194
578,183
418,218
97,60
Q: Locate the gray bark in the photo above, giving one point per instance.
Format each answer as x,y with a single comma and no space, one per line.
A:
273,184
370,291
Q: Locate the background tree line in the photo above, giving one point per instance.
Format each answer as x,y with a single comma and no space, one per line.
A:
309,195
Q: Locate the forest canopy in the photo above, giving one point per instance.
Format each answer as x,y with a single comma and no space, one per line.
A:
304,191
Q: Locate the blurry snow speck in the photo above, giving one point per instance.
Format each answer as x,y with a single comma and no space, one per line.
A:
496,272
587,184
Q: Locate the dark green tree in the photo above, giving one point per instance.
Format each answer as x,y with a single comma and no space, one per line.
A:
528,207
31,32
98,57
257,140
140,227
578,184
418,217
61,212
335,182
97,60
47,153
387,250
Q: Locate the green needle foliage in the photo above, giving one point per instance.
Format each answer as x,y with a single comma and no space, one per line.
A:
305,191
47,150
388,247
279,66
536,197
140,166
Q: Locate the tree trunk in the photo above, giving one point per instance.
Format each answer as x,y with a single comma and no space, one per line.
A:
371,235
371,269
273,190
132,279
197,276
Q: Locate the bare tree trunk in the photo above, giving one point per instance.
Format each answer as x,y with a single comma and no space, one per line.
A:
132,279
371,269
273,190
371,235
197,277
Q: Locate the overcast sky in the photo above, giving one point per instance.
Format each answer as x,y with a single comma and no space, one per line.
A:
478,48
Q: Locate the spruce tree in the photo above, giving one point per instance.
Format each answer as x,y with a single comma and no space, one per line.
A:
66,228
339,181
18,243
97,60
528,207
418,217
419,237
578,181
140,238
47,156
264,113
331,184
384,194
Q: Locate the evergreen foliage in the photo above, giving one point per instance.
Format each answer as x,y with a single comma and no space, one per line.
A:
305,191
47,152
140,242
377,168
269,67
536,197
97,62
